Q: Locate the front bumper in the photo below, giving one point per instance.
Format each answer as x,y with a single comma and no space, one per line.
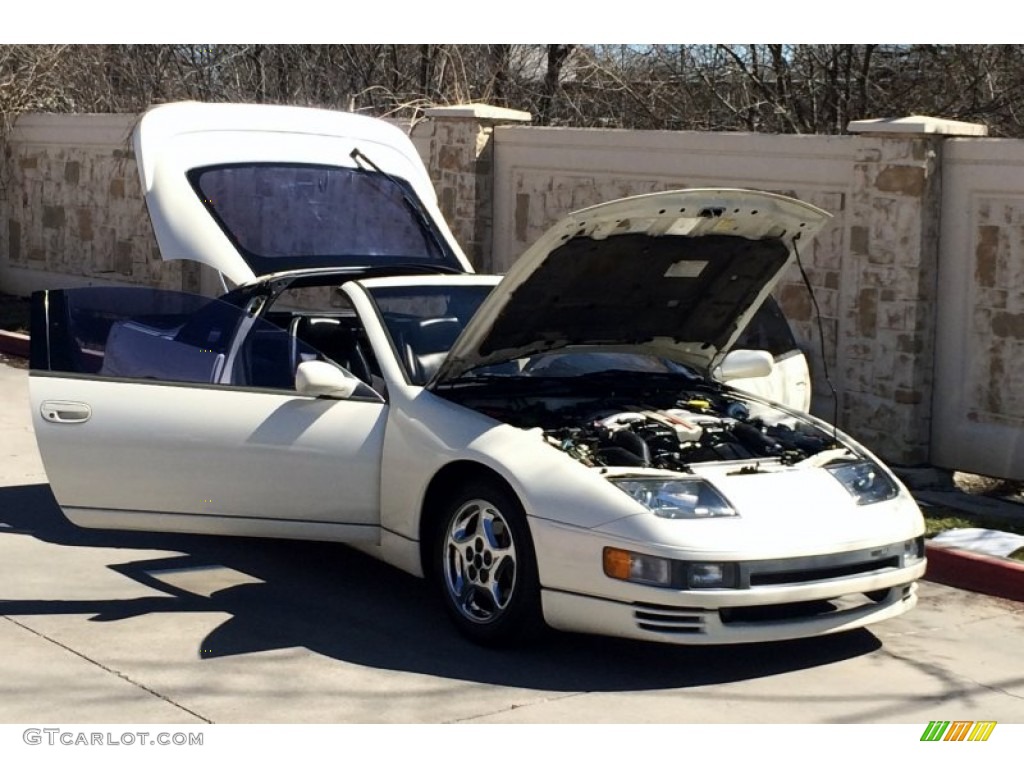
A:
682,625
773,599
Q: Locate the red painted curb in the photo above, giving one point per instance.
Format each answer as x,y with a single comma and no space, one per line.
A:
14,343
979,573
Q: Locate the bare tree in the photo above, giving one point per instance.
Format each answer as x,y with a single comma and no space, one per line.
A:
773,88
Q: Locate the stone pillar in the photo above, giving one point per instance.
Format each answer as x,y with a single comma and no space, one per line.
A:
460,157
886,345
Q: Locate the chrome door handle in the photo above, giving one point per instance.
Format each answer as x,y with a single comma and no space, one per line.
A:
65,411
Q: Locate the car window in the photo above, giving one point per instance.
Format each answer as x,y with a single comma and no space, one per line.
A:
768,330
290,216
142,333
138,333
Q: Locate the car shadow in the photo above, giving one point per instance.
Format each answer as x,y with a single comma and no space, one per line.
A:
345,605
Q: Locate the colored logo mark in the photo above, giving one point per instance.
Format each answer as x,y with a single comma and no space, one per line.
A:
958,730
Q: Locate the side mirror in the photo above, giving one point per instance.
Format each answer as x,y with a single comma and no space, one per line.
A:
316,378
745,364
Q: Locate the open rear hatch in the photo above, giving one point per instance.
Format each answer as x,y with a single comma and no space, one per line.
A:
252,190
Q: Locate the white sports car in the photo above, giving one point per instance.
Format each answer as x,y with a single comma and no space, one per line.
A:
554,446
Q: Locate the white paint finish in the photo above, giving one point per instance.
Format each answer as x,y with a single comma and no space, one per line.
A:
570,560
212,451
313,643
316,378
583,614
277,464
274,464
977,173
173,139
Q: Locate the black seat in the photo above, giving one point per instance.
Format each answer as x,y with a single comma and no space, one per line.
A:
336,341
427,345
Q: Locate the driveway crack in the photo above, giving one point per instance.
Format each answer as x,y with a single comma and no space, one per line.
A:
110,670
518,706
947,676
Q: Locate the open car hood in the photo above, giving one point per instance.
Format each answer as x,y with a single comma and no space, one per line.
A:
254,189
673,274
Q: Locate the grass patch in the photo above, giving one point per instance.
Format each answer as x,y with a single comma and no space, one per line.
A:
1018,555
937,520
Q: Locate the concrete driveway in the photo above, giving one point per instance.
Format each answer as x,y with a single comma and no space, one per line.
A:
143,628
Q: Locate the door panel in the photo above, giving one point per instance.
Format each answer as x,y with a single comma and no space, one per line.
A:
178,414
210,451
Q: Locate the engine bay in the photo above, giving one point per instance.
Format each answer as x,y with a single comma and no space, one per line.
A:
658,427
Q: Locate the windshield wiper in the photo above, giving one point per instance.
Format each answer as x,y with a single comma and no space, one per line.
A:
415,206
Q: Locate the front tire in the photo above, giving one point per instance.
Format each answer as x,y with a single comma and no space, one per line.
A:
484,566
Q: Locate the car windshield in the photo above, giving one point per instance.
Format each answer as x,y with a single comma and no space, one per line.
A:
425,320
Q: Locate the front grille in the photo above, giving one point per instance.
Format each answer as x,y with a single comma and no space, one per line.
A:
669,620
803,575
817,568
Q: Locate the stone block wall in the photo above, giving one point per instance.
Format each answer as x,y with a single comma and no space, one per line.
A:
543,174
72,208
888,280
873,269
71,213
456,145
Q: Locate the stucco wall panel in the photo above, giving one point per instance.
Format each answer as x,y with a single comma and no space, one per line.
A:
979,402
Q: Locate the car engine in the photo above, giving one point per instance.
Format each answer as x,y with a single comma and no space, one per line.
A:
660,430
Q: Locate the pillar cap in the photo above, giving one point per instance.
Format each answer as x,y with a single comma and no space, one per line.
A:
917,124
483,112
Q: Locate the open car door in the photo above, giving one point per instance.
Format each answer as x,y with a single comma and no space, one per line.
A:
165,411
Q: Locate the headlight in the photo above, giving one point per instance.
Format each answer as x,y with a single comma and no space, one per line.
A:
709,575
866,481
687,498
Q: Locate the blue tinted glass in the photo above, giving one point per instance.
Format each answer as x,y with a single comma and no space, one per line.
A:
287,216
142,333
